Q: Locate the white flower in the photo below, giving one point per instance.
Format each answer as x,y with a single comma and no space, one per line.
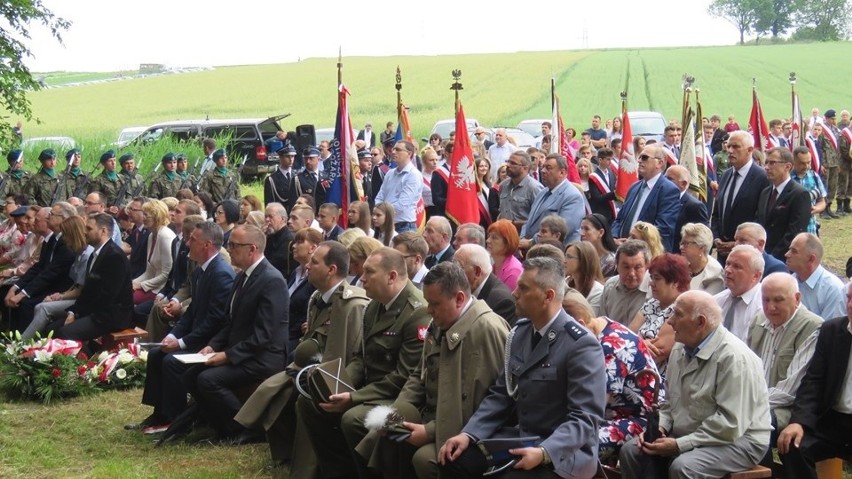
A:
103,355
124,357
42,356
120,373
10,349
143,355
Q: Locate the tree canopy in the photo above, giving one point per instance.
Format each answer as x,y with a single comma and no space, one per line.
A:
813,20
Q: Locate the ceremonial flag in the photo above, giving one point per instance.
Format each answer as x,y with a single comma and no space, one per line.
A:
757,122
797,124
342,154
627,166
559,137
462,204
702,157
688,157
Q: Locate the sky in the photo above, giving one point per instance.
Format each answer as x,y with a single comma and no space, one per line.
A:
111,35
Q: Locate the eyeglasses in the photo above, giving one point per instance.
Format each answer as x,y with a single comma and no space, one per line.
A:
688,243
647,157
134,209
232,245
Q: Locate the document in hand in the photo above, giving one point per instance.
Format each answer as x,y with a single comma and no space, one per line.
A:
193,358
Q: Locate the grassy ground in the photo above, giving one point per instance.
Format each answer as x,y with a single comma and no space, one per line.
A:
83,438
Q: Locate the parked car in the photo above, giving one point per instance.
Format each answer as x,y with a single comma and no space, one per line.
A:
521,137
649,124
246,138
532,127
444,127
127,135
324,134
60,144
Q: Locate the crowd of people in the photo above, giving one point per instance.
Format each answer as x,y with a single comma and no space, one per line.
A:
675,335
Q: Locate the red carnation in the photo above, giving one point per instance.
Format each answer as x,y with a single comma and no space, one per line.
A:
81,370
82,356
56,373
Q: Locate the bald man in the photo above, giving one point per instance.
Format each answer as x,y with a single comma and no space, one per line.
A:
691,209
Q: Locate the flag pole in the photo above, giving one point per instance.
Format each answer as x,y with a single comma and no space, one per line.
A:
794,142
456,86
688,81
399,95
339,66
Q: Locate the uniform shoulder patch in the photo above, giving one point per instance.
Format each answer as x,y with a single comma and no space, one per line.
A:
522,322
575,330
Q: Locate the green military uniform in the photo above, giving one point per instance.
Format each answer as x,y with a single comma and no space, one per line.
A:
392,348
41,186
844,178
108,184
334,331
831,161
216,181
135,186
15,182
458,367
76,183
187,180
165,184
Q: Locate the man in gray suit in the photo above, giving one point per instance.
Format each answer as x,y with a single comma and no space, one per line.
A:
554,383
559,197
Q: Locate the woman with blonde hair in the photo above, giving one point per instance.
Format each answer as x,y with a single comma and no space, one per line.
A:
584,169
648,233
359,250
155,217
583,268
429,158
249,203
483,169
350,235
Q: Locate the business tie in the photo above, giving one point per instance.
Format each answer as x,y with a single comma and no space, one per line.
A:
321,304
729,316
90,262
536,337
773,197
430,261
730,201
627,223
241,281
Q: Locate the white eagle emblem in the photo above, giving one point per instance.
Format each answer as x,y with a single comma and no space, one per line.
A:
464,176
628,161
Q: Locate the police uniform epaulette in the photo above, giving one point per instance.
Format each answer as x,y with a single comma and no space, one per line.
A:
575,330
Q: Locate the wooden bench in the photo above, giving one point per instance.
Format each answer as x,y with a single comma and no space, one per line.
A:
122,338
756,472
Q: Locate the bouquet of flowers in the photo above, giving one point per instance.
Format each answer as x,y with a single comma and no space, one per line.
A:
121,369
42,369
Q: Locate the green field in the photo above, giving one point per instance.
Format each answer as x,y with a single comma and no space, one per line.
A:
499,89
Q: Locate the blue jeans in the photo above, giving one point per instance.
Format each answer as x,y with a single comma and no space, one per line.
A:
404,226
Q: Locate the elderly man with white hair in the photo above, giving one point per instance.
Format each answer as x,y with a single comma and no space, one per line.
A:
695,243
754,234
715,419
822,291
742,300
437,235
783,336
476,263
500,151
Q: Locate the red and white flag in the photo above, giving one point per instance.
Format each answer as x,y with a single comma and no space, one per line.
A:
462,202
628,169
559,137
798,126
757,122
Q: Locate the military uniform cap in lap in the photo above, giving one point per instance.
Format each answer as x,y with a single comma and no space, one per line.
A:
108,155
47,154
14,156
125,158
307,353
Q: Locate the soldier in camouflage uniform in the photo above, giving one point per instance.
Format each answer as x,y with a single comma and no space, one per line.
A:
129,176
107,183
830,164
187,179
216,182
16,177
75,179
168,182
42,186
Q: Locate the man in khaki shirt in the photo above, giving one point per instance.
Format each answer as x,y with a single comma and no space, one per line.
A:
716,417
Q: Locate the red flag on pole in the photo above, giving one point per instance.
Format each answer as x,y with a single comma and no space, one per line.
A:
559,138
462,204
627,166
757,122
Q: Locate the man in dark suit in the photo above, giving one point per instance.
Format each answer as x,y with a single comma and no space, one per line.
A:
212,281
279,185
105,303
439,185
138,239
437,235
691,209
822,418
279,238
49,274
739,191
718,141
367,135
784,208
554,388
602,186
654,199
305,183
253,344
329,214
476,263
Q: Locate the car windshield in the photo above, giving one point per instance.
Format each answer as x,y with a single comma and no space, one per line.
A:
647,126
444,128
532,128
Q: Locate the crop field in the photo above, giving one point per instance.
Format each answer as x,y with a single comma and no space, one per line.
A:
499,89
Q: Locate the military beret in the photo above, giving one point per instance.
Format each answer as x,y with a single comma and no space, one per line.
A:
830,113
108,155
125,158
307,353
389,141
180,157
312,151
365,153
19,211
71,153
169,157
47,154
286,150
218,154
15,156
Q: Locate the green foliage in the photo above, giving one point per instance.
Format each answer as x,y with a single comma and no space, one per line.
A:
15,77
822,20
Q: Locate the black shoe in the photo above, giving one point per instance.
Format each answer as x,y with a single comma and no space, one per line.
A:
248,437
148,421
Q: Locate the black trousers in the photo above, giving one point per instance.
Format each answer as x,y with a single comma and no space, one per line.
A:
82,329
472,464
164,387
214,389
831,438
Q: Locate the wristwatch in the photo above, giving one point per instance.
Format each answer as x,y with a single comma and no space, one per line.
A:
545,457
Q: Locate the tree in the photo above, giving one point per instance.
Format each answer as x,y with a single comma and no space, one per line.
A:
772,16
822,20
741,13
15,78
